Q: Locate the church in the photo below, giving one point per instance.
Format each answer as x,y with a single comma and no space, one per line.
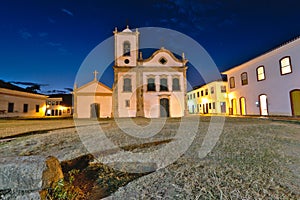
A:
153,87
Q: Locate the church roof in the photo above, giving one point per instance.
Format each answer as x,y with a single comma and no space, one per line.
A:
127,30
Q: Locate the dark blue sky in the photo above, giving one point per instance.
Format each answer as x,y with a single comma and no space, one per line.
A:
46,41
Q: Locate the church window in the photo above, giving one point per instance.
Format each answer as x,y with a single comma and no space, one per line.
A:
151,84
126,61
127,103
163,84
127,85
232,82
260,72
162,60
126,48
175,84
10,107
285,65
244,78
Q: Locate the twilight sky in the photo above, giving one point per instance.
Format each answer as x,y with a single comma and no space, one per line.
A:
46,41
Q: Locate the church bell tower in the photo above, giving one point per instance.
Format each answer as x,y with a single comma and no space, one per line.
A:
126,47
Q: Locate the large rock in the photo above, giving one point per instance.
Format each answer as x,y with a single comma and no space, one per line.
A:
26,177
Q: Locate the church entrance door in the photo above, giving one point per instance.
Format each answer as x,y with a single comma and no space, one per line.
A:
164,107
95,110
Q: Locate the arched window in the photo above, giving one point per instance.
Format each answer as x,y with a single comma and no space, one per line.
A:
260,72
126,48
231,82
151,84
285,65
127,85
244,78
176,85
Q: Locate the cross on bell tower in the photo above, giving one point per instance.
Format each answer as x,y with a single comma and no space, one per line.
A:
95,75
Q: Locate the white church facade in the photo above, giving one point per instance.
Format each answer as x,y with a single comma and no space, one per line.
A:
153,87
268,84
92,100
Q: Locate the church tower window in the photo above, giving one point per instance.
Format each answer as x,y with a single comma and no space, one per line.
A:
126,48
127,85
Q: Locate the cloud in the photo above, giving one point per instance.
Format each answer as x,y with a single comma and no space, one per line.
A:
54,44
43,34
67,12
63,51
25,34
27,83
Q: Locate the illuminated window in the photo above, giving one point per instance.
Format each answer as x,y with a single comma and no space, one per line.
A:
244,78
223,89
126,48
285,65
260,72
151,84
127,85
175,84
232,82
163,84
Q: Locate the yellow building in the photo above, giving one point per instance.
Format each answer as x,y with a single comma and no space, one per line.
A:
59,105
209,99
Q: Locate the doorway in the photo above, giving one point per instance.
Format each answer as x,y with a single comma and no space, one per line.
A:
164,107
95,110
263,104
295,102
243,105
233,106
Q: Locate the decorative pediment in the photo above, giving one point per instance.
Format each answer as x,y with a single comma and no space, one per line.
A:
163,58
94,87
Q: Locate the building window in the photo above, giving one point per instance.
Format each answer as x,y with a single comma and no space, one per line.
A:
194,96
223,89
68,110
127,103
48,102
37,108
10,108
206,91
127,85
175,84
163,84
197,94
212,90
285,65
260,72
232,82
209,105
244,78
151,84
163,61
213,105
25,108
126,48
201,93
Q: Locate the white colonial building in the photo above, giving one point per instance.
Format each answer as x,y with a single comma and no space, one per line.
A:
210,98
17,102
92,100
268,84
153,87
